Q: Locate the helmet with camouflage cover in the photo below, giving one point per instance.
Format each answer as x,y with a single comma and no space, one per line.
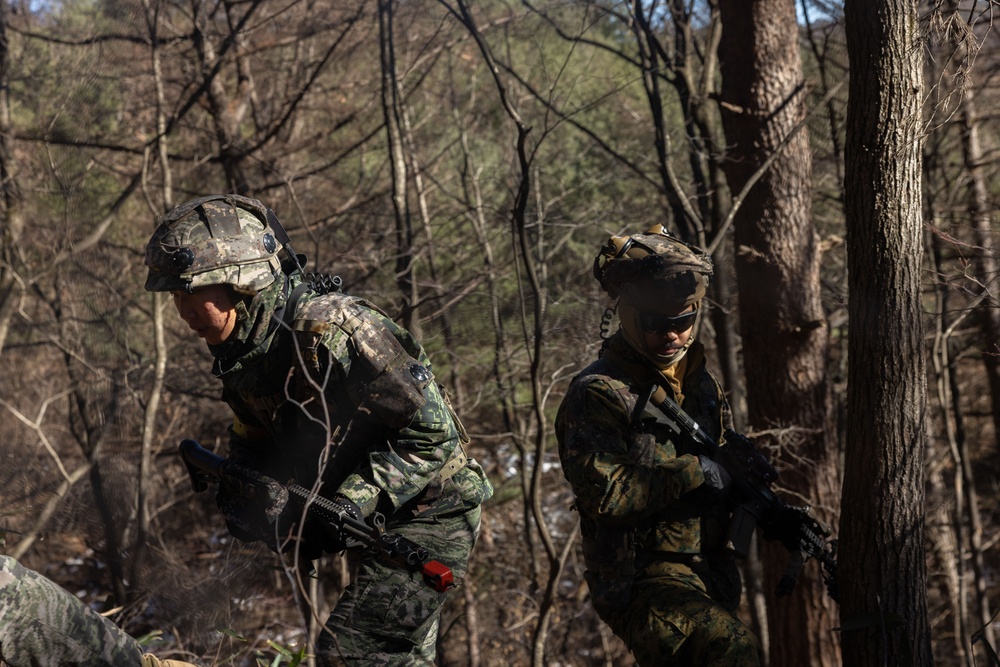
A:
214,240
652,272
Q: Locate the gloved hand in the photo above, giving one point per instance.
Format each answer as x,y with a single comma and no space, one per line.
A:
788,525
252,511
716,484
261,511
266,515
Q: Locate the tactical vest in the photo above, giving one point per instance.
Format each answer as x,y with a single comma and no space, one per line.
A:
303,400
615,554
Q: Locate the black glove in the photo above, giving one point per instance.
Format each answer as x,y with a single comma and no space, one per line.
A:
261,512
717,481
254,512
785,524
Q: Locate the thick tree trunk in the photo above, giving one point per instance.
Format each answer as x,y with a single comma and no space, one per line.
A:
781,317
882,562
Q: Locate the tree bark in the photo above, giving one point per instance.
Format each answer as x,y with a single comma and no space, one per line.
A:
883,571
782,322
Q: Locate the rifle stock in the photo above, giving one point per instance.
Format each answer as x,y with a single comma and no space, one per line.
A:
754,503
206,467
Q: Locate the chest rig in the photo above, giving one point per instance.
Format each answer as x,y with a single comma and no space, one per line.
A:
615,554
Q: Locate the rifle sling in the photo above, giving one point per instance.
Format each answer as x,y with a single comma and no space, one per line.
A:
455,462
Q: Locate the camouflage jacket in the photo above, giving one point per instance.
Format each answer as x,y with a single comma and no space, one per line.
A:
341,393
630,482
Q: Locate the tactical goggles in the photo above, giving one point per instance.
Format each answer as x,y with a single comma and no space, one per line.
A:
655,323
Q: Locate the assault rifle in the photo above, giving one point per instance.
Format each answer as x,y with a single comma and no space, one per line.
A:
754,503
204,466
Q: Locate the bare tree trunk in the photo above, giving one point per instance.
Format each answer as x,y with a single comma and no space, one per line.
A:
882,562
971,509
471,620
685,218
158,303
783,326
528,249
441,303
985,261
501,354
987,268
964,488
391,111
11,224
823,67
946,526
227,110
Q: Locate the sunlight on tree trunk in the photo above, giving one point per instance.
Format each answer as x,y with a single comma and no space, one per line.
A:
883,570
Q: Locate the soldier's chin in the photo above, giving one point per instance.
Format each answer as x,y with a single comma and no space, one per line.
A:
662,359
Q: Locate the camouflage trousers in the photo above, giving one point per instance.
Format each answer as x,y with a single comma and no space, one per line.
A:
388,616
671,621
43,625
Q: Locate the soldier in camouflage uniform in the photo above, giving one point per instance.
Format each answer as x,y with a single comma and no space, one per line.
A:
652,520
43,625
328,391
